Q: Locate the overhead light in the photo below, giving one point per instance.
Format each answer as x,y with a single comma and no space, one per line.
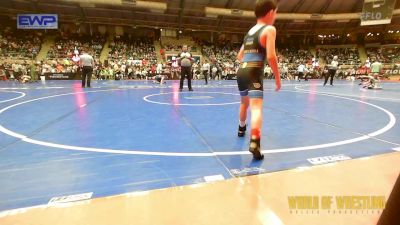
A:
180,31
160,29
348,35
397,32
377,34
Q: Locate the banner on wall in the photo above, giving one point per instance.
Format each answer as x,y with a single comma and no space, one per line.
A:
377,12
59,76
37,21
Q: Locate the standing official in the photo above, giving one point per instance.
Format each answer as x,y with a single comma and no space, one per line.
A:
206,70
302,71
186,61
332,68
87,65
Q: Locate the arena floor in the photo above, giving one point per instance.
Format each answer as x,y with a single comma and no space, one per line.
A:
120,137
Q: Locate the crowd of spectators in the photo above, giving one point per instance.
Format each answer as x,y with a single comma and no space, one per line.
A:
129,58
223,57
66,45
347,56
384,54
135,58
21,45
294,56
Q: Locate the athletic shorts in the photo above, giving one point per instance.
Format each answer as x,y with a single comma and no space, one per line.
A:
250,81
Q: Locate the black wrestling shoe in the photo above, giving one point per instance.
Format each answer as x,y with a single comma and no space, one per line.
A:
241,131
255,149
180,89
190,89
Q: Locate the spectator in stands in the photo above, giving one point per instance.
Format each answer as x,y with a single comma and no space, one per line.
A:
20,45
214,72
268,72
206,71
302,72
2,73
174,67
159,68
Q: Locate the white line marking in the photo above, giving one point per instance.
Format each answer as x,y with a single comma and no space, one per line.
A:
392,122
70,198
397,149
9,100
13,212
214,178
51,87
328,159
25,88
347,95
83,105
146,98
198,97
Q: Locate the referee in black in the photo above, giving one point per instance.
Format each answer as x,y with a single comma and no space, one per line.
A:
87,64
186,61
332,68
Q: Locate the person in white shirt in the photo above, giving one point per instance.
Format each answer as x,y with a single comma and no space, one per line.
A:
76,58
214,72
174,67
144,73
138,74
123,69
368,63
87,63
301,72
25,78
159,68
130,72
315,67
285,71
267,71
206,70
